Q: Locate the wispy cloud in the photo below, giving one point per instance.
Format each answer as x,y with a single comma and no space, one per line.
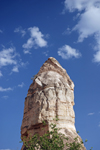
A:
19,65
5,89
36,40
80,5
89,21
5,149
26,51
5,97
21,85
97,57
67,52
1,31
67,31
9,56
20,30
1,74
46,53
76,17
99,124
87,28
90,114
15,69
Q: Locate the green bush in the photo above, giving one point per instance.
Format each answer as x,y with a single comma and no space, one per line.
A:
52,140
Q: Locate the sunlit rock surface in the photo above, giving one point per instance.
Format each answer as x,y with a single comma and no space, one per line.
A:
50,95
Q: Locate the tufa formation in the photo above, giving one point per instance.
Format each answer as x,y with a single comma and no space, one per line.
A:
50,95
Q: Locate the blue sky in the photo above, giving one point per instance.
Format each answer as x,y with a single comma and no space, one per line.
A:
30,32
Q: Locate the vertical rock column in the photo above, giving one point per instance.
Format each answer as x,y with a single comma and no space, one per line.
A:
50,95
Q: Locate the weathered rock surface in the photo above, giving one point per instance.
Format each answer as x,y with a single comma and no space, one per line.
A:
51,94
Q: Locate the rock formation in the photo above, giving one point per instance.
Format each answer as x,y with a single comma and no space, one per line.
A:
51,94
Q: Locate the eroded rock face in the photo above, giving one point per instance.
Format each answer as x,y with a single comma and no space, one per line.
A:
50,95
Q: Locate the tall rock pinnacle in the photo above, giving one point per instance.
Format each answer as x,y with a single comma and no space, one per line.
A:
50,95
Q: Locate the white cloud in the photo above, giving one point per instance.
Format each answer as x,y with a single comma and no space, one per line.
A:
19,65
90,114
20,30
1,74
15,69
26,51
21,85
38,37
80,5
97,48
5,89
67,52
7,57
30,43
89,21
36,40
97,56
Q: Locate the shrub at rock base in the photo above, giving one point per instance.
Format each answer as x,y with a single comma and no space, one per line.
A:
52,140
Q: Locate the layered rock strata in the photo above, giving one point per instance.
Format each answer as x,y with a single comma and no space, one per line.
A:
50,95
